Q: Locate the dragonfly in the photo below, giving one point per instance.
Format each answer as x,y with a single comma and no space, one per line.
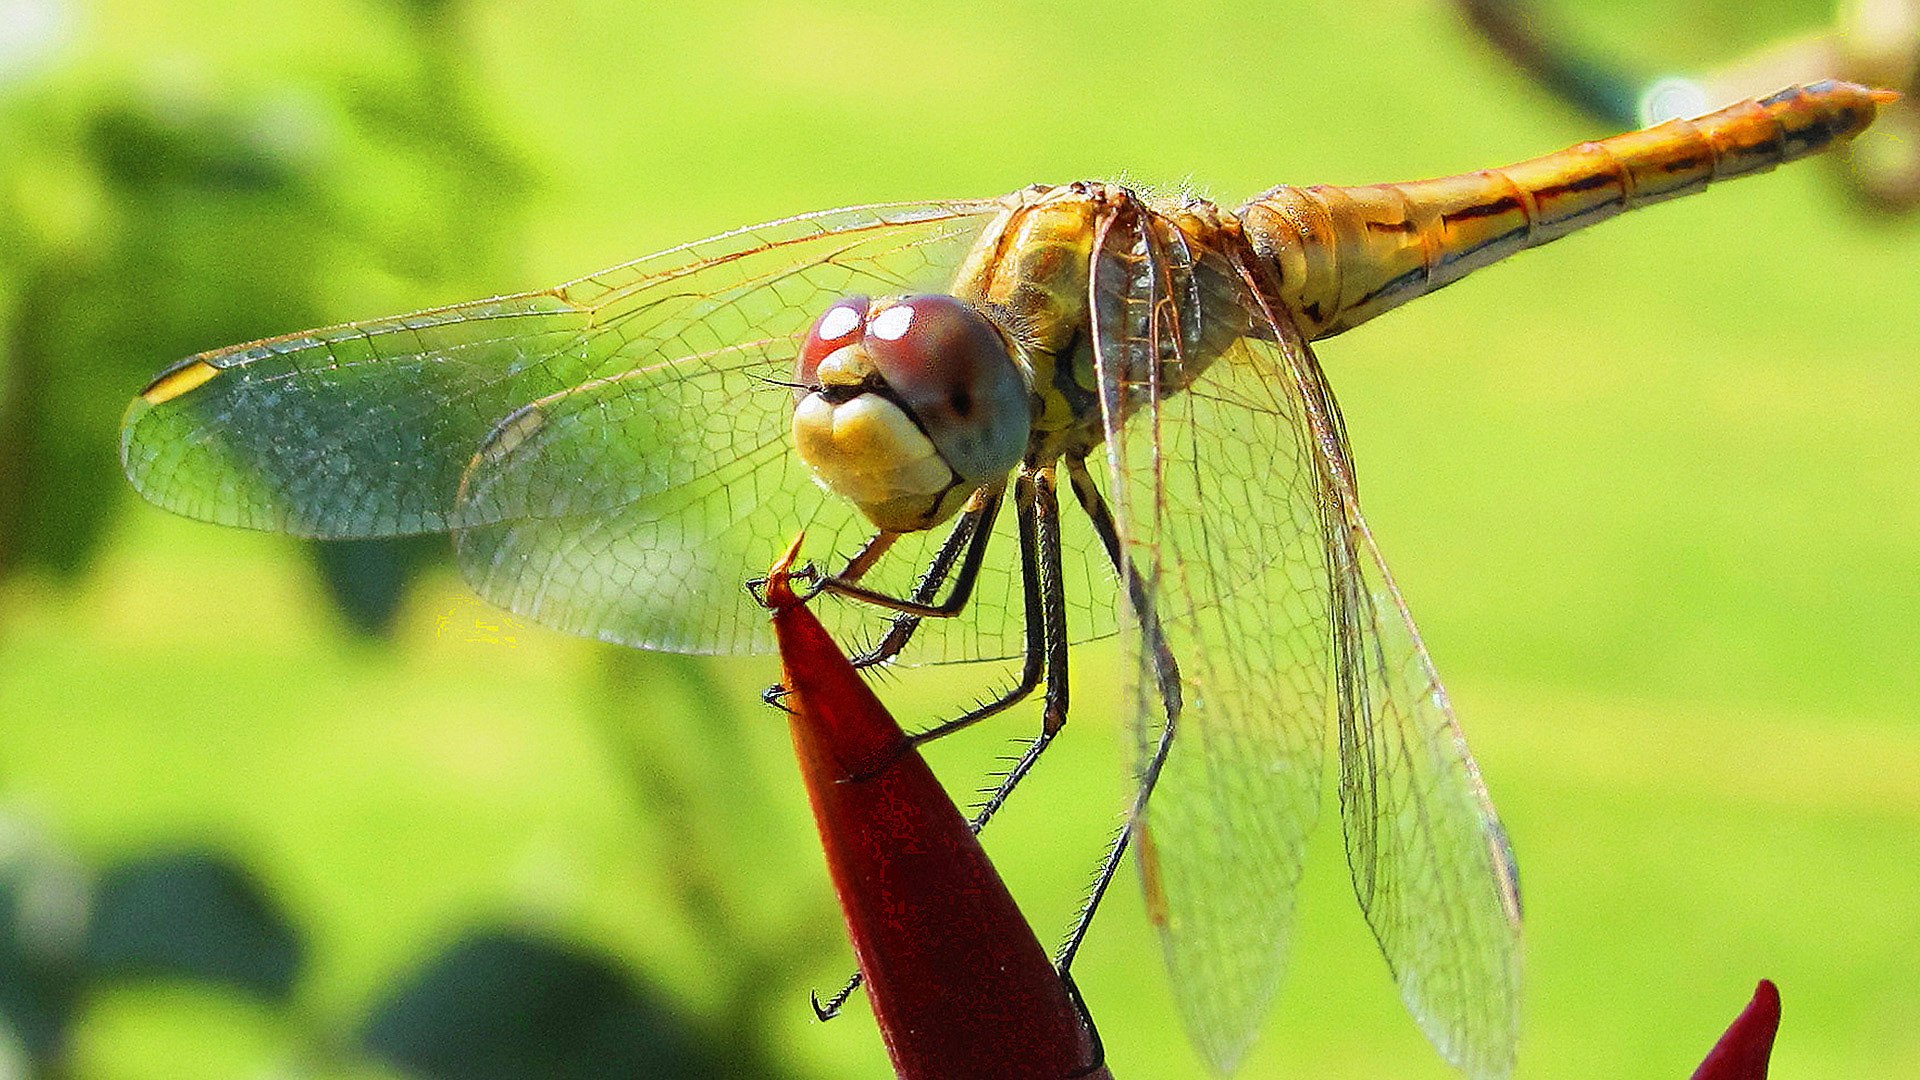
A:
615,456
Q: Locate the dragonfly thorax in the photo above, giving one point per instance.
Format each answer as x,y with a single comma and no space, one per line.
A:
1087,262
905,407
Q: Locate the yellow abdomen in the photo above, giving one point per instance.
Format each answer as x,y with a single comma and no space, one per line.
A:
1346,254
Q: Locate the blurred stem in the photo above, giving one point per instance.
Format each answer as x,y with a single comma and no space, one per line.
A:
659,793
649,749
23,381
1604,89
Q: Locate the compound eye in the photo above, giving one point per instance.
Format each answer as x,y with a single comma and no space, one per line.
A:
836,328
925,345
951,370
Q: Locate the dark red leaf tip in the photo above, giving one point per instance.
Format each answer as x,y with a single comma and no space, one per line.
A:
1745,1050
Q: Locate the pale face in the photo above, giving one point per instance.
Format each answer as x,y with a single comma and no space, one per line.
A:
907,406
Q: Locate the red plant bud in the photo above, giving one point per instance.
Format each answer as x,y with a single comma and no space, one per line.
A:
1742,1053
960,985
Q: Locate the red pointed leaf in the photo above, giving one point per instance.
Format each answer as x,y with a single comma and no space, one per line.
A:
959,983
1742,1053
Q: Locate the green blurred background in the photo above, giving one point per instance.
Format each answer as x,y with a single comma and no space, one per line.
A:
1651,493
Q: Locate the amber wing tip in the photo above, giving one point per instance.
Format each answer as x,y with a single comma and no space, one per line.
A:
1881,96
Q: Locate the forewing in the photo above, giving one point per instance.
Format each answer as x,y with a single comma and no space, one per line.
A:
1430,862
563,430
1219,509
632,508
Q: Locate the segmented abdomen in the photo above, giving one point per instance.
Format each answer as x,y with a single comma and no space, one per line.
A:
1345,254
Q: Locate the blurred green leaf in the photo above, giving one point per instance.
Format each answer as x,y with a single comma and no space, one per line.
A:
173,219
506,1005
42,899
212,231
194,915
368,578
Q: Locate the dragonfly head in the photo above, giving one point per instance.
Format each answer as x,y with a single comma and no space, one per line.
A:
907,406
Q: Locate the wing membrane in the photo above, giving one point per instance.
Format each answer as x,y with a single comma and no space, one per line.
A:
1431,865
560,429
641,527
1235,502
354,431
1219,507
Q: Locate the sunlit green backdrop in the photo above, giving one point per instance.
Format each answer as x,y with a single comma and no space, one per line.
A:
1651,493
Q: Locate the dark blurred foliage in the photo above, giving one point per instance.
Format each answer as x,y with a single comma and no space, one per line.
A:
498,1004
143,221
195,915
141,224
368,578
42,947
190,915
503,1005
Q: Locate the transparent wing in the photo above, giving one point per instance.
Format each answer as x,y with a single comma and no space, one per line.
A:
611,448
1220,507
641,529
1430,862
1235,502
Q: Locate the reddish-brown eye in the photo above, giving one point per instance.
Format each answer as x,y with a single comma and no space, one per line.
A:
837,327
951,370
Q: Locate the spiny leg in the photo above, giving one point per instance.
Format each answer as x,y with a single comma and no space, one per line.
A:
1026,499
1046,635
1098,1057
981,523
1166,674
976,522
870,552
969,535
830,1008
972,537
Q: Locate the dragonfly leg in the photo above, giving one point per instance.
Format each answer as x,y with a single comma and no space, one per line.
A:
1037,511
1099,1048
1033,502
870,552
976,522
1166,674
1026,503
1046,637
833,1004
968,536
